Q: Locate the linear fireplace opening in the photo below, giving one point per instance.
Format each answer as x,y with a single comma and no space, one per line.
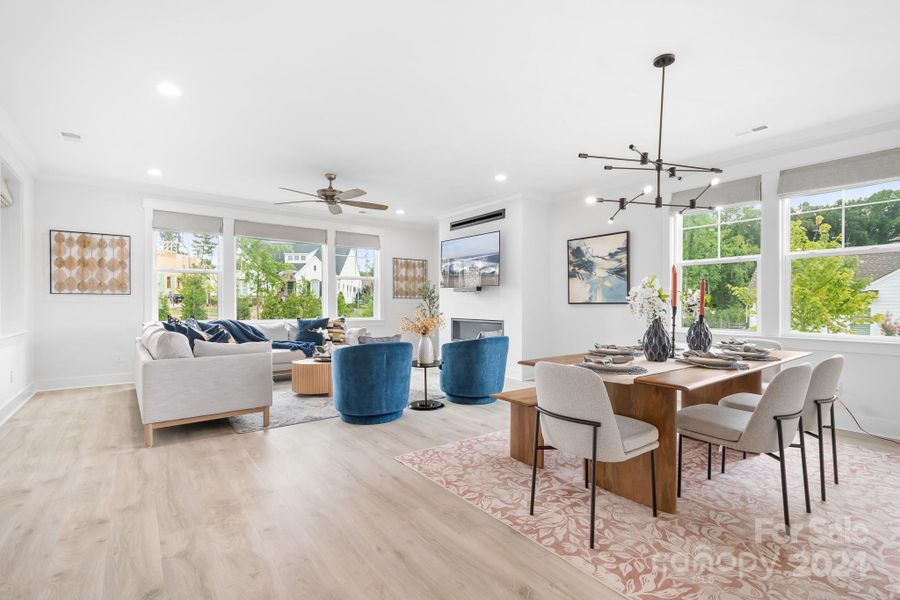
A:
468,329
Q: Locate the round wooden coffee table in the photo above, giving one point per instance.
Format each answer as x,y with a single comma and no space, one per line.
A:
311,377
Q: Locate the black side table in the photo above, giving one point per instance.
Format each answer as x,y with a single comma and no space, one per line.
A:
427,403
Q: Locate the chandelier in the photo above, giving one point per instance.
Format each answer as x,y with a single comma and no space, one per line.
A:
671,169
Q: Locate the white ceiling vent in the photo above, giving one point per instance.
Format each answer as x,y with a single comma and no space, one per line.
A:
69,136
756,129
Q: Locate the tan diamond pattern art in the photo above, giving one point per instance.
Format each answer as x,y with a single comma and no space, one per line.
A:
410,274
89,263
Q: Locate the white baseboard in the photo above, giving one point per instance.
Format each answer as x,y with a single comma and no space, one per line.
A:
69,383
882,427
13,405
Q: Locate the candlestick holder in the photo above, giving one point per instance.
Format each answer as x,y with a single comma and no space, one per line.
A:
674,312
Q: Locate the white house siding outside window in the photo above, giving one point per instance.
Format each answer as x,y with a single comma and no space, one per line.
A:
356,270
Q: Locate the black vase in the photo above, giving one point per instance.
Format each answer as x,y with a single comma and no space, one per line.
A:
657,343
699,338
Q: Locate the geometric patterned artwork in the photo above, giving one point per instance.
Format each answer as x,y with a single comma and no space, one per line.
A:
410,274
89,263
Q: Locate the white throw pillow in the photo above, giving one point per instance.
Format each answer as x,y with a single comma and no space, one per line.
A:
351,337
273,331
202,348
163,344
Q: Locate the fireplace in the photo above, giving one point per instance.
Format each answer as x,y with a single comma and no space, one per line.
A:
468,329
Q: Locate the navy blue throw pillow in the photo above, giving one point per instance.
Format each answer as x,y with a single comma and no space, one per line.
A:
186,330
214,332
305,325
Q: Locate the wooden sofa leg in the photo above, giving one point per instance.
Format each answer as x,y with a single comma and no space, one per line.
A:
265,413
148,435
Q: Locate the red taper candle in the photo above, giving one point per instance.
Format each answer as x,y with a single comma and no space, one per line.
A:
674,286
702,296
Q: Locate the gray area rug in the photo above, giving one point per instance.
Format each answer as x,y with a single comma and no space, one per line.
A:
290,409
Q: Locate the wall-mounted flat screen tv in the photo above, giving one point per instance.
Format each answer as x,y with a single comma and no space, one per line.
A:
472,261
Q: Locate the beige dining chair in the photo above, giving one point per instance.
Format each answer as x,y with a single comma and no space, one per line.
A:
822,395
575,416
777,416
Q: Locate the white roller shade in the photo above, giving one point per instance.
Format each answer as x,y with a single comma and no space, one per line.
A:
837,174
731,192
357,240
282,233
172,221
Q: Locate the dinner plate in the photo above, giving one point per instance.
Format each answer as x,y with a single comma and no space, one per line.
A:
608,368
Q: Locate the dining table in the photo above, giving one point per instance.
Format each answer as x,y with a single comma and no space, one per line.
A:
654,397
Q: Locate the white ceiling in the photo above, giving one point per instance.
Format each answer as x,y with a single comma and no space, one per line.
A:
422,103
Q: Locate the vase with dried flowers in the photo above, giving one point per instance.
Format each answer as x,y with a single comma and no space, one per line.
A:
425,320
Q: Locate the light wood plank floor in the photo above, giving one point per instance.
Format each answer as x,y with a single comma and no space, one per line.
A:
319,510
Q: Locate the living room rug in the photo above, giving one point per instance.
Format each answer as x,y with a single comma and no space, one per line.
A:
289,408
725,542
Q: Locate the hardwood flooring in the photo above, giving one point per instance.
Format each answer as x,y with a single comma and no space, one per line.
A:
318,510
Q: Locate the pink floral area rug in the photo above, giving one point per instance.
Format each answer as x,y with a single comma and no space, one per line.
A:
727,539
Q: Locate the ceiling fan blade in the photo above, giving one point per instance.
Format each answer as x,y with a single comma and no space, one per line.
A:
348,194
335,209
360,204
298,192
297,202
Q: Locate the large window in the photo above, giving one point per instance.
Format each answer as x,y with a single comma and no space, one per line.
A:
277,279
844,261
186,269
356,270
723,247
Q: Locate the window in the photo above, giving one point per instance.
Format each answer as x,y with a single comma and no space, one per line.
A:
723,247
277,279
186,269
356,270
844,261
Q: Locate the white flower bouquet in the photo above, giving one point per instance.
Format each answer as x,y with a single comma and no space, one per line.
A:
690,301
648,301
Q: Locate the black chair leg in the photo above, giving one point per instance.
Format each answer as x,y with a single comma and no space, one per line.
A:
593,485
784,495
834,445
745,455
803,460
723,459
586,474
534,458
653,479
680,440
709,461
821,450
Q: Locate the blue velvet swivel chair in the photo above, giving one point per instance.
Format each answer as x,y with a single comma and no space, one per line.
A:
371,381
472,370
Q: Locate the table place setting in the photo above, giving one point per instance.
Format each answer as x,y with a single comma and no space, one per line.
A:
614,350
619,364
744,350
711,360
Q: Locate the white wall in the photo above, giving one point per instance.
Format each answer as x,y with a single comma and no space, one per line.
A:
16,337
89,340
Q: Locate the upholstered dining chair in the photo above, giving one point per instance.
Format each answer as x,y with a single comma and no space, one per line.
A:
578,419
777,416
822,395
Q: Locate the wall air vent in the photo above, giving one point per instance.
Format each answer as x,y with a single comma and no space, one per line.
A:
478,220
69,136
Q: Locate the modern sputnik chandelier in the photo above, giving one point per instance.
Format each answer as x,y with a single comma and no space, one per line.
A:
671,169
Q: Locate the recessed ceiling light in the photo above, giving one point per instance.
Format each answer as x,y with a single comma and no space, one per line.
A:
400,211
500,177
70,137
168,89
154,172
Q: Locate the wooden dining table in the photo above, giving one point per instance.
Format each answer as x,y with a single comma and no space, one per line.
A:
652,397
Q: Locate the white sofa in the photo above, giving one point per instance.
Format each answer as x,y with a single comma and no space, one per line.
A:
286,329
175,388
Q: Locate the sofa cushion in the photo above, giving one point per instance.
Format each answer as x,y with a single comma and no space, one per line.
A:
352,335
336,329
162,344
305,329
275,332
367,339
283,357
192,333
202,348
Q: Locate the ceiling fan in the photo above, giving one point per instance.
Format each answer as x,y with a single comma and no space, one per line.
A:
335,198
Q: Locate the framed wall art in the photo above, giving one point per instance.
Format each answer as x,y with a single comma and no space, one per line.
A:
84,263
410,274
599,269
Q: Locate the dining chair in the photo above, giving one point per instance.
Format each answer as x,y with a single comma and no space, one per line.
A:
822,395
578,419
777,416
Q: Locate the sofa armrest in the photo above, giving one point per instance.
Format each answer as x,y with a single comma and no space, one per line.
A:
192,387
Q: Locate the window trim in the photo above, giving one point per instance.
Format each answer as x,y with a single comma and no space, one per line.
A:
156,271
